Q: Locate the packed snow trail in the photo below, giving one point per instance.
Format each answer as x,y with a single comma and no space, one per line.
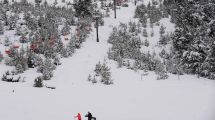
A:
128,99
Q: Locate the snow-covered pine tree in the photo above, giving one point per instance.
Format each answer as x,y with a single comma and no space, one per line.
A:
140,11
145,34
106,75
12,21
55,2
160,70
31,59
89,78
66,29
20,61
47,74
59,46
162,30
164,39
83,8
143,21
57,60
98,68
152,33
48,68
7,42
23,39
71,46
119,61
64,52
102,72
19,68
209,64
45,3
18,31
1,28
132,27
94,80
6,2
38,82
1,57
38,1
146,43
113,36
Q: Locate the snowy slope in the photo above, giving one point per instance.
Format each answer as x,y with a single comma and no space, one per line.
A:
131,97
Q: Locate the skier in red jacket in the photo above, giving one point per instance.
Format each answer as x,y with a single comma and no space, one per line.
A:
78,116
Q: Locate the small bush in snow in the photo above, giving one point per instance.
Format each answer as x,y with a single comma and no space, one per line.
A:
8,77
38,82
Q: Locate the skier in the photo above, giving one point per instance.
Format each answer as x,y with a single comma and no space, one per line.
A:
89,116
78,116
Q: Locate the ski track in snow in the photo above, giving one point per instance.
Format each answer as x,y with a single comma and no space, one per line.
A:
129,98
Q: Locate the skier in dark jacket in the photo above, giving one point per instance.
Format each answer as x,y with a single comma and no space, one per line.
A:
89,116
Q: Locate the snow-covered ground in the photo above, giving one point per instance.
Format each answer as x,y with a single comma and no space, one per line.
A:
131,97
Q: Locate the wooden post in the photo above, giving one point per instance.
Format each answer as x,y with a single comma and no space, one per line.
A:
115,9
97,30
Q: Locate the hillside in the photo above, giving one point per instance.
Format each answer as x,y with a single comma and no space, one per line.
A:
134,94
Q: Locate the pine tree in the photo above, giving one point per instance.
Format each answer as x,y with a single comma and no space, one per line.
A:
23,39
143,21
48,68
98,68
140,11
24,2
145,34
146,43
47,75
12,21
7,42
38,82
57,60
162,30
164,39
20,61
6,2
89,78
1,28
55,2
64,52
119,61
45,3
83,8
152,33
94,80
19,68
38,1
106,75
66,29
1,57
18,31
209,65
71,46
102,72
160,70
